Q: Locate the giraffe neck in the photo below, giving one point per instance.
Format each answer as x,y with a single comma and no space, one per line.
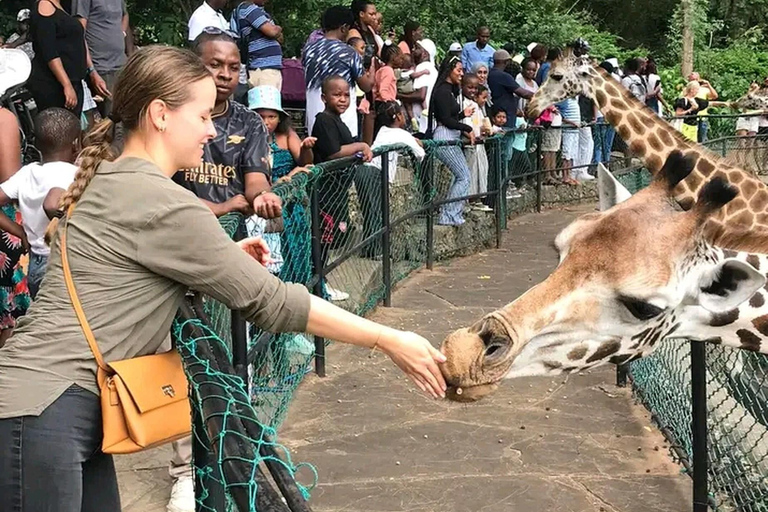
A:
653,139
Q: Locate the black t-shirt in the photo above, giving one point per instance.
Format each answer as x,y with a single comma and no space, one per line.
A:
332,134
241,146
685,104
587,108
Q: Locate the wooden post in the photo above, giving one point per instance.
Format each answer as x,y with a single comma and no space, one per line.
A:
686,65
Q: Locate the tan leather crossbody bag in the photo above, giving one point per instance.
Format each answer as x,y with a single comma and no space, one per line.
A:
144,400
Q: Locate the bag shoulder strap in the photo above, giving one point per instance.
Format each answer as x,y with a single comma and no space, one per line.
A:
74,298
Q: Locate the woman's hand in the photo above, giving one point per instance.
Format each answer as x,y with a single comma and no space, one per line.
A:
256,248
309,142
367,153
70,97
418,359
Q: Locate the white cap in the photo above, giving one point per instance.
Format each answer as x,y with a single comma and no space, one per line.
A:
531,46
455,47
614,62
23,15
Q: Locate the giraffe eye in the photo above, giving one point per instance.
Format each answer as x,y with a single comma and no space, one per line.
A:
640,309
556,77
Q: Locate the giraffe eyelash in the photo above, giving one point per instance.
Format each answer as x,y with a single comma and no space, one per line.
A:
640,309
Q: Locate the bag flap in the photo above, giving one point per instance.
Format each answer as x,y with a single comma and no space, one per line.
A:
153,381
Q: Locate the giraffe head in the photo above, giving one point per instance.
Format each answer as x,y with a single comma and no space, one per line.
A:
756,98
628,277
569,76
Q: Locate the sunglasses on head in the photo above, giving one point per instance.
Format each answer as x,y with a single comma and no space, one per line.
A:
216,31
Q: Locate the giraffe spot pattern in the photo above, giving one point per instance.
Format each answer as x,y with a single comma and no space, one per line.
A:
603,351
624,132
759,201
613,117
757,300
666,137
705,166
636,125
753,260
761,324
686,203
552,365
749,340
612,90
654,163
693,180
577,353
727,318
728,253
638,147
748,188
600,97
654,142
735,177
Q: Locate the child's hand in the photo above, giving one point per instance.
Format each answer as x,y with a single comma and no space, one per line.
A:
256,248
309,142
268,205
469,111
367,153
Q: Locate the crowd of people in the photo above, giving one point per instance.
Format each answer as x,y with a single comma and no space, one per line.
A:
212,120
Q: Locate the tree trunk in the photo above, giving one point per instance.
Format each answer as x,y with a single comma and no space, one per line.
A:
686,66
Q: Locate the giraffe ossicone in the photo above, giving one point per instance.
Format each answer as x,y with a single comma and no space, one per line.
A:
628,277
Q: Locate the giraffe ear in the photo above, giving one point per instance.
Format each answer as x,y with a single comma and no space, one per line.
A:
728,284
610,191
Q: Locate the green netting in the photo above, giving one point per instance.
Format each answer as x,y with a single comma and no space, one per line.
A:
237,420
737,406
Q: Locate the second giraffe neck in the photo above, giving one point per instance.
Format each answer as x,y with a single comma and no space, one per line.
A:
653,139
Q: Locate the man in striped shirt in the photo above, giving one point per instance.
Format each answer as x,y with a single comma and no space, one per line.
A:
265,56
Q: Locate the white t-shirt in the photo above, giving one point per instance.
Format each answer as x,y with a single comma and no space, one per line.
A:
532,87
205,16
29,186
420,112
388,136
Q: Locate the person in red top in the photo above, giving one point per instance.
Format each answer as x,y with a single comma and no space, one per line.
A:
386,82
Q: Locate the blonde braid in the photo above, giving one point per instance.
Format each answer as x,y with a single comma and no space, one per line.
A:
98,147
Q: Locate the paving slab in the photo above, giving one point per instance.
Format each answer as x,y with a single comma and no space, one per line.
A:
575,443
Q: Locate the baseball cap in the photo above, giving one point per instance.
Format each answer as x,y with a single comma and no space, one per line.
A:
501,56
455,47
23,15
531,46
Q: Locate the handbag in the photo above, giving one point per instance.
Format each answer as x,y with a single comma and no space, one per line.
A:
144,400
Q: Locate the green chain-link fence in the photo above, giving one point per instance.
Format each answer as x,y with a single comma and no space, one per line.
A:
736,403
364,233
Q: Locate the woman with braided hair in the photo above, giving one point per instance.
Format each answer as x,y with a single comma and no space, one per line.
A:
136,243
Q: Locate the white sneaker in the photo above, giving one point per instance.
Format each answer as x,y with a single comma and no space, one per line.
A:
584,176
513,193
182,495
480,207
335,295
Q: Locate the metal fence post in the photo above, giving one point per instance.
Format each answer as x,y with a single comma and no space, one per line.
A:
238,328
699,425
386,256
430,215
539,177
501,196
317,271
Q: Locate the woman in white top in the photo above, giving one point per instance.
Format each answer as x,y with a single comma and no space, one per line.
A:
428,80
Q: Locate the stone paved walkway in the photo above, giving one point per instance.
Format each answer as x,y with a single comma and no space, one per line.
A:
538,444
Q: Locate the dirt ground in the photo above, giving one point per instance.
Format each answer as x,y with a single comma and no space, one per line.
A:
538,444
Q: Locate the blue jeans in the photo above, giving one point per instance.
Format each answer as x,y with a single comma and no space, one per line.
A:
703,130
603,135
451,214
53,462
37,266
